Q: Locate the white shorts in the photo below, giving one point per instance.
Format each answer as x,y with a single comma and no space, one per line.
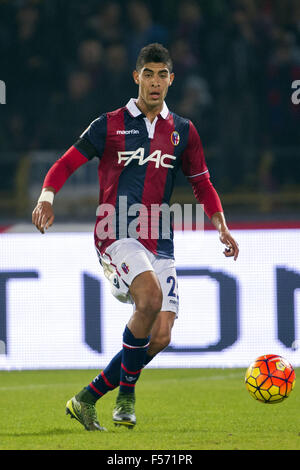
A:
125,259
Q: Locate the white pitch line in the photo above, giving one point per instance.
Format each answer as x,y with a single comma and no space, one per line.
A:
33,387
77,384
207,377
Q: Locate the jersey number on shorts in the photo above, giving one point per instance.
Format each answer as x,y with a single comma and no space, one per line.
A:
171,280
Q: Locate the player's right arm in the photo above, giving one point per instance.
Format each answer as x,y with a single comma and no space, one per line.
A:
90,144
43,214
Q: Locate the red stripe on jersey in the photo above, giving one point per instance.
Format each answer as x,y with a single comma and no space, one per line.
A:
155,179
63,168
109,170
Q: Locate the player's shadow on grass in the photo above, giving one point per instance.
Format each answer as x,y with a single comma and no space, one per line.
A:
49,432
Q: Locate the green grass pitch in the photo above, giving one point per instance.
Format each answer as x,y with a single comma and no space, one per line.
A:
182,409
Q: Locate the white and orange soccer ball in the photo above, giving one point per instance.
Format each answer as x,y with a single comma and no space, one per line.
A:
270,379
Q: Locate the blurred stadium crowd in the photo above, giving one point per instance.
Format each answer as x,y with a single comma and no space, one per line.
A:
65,62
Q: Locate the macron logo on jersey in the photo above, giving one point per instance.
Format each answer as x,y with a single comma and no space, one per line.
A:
139,155
131,131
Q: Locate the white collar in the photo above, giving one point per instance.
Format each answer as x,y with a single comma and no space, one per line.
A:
135,111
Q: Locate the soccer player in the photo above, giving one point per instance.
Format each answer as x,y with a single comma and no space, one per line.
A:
140,148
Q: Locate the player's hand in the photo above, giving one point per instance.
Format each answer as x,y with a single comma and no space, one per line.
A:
43,216
232,247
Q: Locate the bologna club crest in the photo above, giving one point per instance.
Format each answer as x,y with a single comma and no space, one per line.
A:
175,138
125,268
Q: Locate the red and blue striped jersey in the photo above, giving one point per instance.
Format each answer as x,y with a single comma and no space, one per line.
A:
139,159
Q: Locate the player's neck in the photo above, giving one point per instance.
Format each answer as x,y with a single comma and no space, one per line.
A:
149,112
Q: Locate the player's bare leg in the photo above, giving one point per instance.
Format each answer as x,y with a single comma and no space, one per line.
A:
147,295
161,333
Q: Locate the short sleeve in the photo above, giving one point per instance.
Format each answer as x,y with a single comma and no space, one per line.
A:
95,135
193,160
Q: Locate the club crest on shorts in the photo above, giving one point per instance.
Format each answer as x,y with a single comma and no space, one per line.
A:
175,138
125,268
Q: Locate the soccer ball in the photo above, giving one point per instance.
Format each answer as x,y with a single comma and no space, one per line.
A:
270,379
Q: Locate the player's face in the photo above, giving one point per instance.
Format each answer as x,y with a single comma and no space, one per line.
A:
154,80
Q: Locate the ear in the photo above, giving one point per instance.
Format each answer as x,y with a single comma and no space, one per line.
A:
135,75
172,76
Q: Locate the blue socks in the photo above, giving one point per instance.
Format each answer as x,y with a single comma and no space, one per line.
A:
125,367
133,359
108,379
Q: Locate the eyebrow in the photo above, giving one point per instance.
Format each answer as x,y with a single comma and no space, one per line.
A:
160,71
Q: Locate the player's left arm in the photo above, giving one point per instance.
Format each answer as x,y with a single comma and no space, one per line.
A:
206,194
232,247
196,171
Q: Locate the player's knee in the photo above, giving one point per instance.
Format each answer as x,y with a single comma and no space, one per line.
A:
159,343
150,303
